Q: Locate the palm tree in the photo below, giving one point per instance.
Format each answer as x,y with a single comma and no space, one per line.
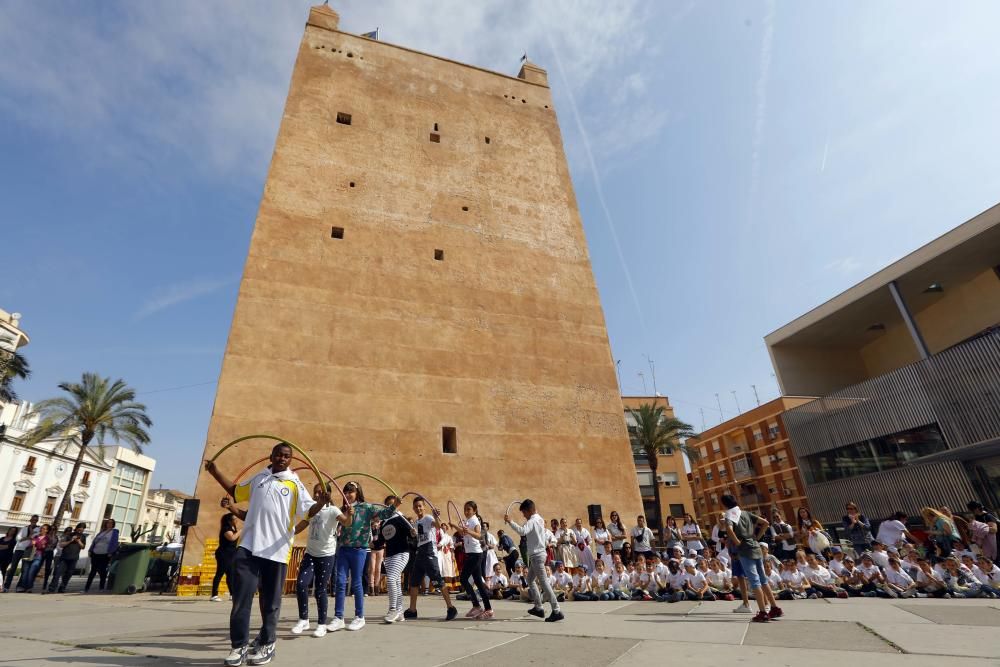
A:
94,407
654,433
13,366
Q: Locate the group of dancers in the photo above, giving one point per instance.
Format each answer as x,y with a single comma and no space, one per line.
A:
279,505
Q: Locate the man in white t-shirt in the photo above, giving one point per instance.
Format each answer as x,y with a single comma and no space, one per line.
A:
642,537
277,501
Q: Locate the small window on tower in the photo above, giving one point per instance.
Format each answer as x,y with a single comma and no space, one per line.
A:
435,138
449,440
343,118
352,184
465,208
337,233
487,140
435,127
439,255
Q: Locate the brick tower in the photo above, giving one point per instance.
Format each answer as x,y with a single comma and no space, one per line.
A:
418,301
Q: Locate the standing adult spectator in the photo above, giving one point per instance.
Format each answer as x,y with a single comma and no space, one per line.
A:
672,534
617,531
23,544
989,544
102,549
7,543
642,538
691,534
807,523
72,542
225,553
39,543
892,531
783,536
858,529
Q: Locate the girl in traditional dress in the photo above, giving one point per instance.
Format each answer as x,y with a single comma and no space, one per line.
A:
550,541
489,543
566,550
586,554
446,558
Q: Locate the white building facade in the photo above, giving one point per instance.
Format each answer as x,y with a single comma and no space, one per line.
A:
34,479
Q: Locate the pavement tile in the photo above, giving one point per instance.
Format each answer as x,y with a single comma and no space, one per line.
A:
957,640
944,614
538,650
809,634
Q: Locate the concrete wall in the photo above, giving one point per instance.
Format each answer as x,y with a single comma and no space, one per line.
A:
363,348
815,371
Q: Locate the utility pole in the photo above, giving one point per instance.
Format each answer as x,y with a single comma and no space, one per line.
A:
756,397
738,410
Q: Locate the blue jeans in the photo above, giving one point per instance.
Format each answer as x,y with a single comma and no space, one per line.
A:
350,561
315,570
753,570
31,573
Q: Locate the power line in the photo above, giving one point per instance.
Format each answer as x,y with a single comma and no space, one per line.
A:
184,386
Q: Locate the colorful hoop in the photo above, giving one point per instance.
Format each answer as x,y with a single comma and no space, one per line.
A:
421,496
507,511
266,436
373,477
461,521
329,482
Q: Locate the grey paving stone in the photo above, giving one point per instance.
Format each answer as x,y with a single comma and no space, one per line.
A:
945,614
811,634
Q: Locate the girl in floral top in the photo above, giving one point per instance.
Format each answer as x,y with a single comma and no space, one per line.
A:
352,550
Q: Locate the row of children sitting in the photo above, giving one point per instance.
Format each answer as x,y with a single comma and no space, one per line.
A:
875,574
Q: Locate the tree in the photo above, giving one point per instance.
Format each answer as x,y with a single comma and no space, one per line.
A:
96,407
13,366
654,433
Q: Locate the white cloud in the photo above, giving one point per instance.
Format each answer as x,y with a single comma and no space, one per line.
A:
179,293
207,81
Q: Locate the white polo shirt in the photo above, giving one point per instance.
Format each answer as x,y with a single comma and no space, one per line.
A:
277,503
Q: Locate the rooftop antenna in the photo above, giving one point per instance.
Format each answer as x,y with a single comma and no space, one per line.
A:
756,397
738,410
702,418
524,57
652,371
618,367
719,403
644,390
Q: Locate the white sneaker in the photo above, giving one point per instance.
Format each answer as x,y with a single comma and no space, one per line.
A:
320,631
357,623
215,598
335,624
742,609
236,657
300,627
391,616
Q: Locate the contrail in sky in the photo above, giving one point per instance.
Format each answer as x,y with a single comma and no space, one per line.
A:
758,131
597,181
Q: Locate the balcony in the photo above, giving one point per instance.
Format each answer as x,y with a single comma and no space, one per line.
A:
28,471
743,468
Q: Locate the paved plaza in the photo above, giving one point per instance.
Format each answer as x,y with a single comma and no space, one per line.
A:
162,630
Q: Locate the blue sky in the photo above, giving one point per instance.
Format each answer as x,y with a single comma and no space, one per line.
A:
736,164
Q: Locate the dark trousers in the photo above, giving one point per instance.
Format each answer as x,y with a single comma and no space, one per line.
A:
473,568
316,570
99,566
253,574
48,562
15,559
223,568
64,570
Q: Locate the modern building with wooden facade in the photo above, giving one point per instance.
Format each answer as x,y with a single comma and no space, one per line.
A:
907,365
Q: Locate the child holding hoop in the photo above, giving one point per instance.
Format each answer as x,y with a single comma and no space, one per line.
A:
534,530
425,561
471,531
396,532
317,564
353,551
277,499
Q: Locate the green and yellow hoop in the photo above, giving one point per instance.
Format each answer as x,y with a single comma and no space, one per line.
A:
266,436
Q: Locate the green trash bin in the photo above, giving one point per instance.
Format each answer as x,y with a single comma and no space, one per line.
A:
130,570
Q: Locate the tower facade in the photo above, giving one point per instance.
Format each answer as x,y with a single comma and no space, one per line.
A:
418,301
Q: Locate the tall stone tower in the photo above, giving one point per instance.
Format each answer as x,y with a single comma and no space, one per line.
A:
418,301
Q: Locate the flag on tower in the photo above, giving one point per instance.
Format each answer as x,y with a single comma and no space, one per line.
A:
371,35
